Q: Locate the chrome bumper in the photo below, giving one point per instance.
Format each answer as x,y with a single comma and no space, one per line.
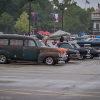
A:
88,55
62,59
61,62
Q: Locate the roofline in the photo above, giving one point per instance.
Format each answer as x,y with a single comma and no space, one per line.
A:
17,36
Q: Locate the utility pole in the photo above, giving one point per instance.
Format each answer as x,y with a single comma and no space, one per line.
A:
62,9
62,16
29,14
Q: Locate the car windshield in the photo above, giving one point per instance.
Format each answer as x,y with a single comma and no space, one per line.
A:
40,43
67,46
71,45
74,46
51,45
77,45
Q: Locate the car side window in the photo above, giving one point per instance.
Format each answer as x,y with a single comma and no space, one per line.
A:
16,42
29,43
91,40
3,41
65,46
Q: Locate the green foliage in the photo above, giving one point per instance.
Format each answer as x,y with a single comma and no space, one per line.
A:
75,19
22,24
7,23
43,3
4,5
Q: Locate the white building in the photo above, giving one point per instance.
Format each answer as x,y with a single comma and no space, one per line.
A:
95,17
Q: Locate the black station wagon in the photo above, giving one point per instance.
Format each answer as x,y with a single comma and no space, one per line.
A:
17,47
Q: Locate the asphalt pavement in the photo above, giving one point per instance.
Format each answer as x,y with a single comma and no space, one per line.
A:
75,80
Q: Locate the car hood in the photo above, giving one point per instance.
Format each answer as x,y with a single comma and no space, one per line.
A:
72,51
49,49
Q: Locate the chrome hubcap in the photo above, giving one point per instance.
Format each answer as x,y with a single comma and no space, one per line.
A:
81,57
49,60
2,58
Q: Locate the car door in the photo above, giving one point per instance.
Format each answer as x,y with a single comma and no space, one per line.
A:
16,49
30,50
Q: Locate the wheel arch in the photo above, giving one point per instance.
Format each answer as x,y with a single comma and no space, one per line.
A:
6,53
43,56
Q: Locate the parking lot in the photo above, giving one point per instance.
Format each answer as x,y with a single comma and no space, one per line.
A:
75,80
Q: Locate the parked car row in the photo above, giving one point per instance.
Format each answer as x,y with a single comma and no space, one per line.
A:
75,51
26,48
71,53
93,52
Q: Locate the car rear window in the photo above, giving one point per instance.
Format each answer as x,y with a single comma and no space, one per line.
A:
3,41
16,42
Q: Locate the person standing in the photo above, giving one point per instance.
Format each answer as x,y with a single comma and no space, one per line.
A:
61,39
45,39
55,41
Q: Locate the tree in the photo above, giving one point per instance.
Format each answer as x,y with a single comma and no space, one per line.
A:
22,24
7,23
45,21
43,3
4,5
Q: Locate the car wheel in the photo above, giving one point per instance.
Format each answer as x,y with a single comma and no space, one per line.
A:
3,59
49,61
81,58
67,60
91,57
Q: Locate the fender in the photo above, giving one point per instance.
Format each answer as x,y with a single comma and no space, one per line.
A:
43,55
6,53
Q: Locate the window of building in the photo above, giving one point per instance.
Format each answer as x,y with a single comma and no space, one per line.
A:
3,41
16,42
97,26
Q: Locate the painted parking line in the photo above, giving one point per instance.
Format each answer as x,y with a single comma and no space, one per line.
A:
48,92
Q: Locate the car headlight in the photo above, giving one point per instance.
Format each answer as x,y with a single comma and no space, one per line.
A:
88,51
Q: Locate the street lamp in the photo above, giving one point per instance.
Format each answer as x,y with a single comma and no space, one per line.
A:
62,9
29,14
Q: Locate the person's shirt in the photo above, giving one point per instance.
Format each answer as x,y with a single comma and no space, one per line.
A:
61,39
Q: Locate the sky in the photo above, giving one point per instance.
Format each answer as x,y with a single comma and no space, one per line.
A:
82,4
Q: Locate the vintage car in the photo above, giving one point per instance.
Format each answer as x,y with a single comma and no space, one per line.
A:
83,53
72,54
19,48
93,52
